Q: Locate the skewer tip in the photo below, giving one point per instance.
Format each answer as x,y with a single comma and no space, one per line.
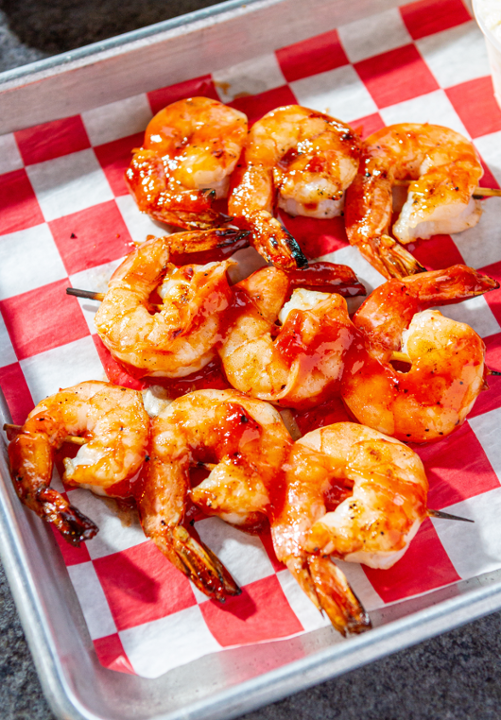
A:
447,516
88,294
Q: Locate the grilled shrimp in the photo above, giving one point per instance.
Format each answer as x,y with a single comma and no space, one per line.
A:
115,426
447,358
245,444
190,149
179,334
299,363
354,494
300,157
444,170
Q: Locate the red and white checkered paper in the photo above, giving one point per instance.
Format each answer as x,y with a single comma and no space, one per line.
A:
66,219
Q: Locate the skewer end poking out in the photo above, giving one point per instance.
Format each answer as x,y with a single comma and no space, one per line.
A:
12,430
88,294
479,192
447,516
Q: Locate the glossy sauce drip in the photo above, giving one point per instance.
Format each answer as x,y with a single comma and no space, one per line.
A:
291,344
237,430
331,411
124,489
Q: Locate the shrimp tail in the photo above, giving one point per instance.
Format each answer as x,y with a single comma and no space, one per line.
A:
31,470
274,242
214,239
327,277
340,603
390,258
450,285
73,525
193,558
188,209
329,590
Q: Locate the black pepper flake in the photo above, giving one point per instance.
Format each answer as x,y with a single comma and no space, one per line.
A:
146,458
73,236
244,419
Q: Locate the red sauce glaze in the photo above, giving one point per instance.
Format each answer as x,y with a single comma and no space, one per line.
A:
210,376
295,342
125,488
331,411
237,429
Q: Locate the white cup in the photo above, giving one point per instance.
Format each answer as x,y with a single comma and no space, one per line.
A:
485,18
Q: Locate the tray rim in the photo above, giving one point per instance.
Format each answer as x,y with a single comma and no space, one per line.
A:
62,76
122,43
274,684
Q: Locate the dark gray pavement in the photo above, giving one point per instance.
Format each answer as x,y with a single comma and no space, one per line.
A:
453,677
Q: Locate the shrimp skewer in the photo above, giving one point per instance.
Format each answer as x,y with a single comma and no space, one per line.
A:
246,443
301,160
444,170
447,358
115,426
197,308
181,337
190,149
354,494
300,363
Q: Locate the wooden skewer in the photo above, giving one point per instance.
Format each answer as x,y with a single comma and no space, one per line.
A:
398,356
447,516
486,192
479,192
401,357
69,438
90,295
85,294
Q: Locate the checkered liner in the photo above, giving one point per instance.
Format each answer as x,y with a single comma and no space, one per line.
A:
67,219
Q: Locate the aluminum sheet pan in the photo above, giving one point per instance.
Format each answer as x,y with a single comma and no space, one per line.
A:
237,680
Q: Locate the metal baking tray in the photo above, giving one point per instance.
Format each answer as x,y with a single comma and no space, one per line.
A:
235,681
